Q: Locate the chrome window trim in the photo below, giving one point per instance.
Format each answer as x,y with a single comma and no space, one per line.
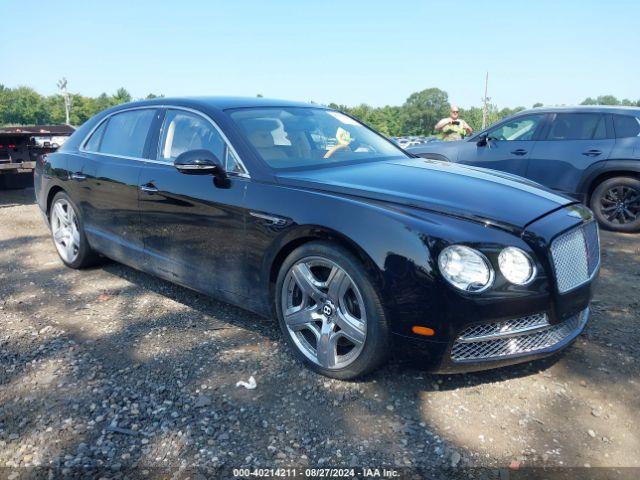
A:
81,148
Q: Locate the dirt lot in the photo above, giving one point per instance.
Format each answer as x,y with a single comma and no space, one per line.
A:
110,367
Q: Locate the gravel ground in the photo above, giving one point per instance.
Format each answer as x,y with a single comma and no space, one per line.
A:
113,368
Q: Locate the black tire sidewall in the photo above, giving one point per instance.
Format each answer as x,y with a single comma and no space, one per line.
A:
86,256
376,346
600,190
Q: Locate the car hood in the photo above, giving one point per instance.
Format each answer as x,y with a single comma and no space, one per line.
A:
469,192
449,150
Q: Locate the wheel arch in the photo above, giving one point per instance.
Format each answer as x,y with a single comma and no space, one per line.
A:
606,175
53,191
310,233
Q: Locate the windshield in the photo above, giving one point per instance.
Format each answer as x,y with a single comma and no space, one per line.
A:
303,137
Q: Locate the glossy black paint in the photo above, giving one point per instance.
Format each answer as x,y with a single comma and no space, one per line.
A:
228,240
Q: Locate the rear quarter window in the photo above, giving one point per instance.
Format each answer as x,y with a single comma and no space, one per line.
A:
626,126
93,144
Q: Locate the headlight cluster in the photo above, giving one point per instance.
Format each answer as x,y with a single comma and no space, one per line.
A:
469,270
516,266
466,268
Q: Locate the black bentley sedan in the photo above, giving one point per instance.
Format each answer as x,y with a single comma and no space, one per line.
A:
303,213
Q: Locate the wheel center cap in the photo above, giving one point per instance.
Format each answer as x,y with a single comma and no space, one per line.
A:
328,309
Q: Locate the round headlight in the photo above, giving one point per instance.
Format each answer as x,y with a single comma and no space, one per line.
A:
516,266
465,268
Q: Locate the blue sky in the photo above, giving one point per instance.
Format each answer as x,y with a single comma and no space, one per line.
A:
349,51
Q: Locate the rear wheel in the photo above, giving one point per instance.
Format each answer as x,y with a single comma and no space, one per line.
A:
68,233
330,313
616,204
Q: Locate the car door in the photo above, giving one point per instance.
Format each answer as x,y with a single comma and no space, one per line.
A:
507,146
107,178
571,143
193,226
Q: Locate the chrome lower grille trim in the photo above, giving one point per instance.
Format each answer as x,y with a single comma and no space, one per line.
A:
506,342
510,328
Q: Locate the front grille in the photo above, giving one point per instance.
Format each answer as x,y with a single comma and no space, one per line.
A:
576,256
500,328
526,335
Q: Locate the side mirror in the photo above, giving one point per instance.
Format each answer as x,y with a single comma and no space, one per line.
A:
483,140
199,162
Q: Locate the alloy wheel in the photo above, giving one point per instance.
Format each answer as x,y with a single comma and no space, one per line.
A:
324,312
64,227
621,204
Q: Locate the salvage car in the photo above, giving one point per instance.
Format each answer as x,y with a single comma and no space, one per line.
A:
589,153
303,213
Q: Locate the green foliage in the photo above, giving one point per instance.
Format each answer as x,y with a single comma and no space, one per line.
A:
423,110
24,106
609,100
417,116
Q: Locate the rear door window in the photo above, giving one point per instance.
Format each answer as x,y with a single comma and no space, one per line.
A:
626,126
126,133
578,126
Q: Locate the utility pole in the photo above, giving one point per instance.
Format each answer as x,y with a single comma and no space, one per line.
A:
62,86
485,102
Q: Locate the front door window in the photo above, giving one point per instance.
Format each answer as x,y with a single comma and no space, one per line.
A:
520,129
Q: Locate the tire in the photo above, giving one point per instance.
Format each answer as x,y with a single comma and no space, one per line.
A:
615,202
67,233
336,324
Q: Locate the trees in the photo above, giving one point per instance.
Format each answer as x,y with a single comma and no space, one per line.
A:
422,110
609,100
416,116
24,106
122,96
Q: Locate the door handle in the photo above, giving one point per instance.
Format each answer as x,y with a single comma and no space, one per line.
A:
592,153
519,151
78,176
149,188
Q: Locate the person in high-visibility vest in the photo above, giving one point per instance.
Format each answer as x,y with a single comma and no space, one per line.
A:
453,127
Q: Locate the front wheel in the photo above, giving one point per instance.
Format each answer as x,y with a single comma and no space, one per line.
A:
68,233
616,204
330,312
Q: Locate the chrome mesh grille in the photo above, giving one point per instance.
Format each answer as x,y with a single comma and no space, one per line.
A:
592,240
509,343
576,255
510,326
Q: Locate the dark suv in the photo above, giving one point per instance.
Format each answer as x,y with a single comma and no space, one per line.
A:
590,153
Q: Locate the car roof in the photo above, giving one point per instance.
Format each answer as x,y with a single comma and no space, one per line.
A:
220,103
585,108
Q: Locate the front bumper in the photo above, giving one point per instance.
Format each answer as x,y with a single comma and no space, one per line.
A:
498,344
